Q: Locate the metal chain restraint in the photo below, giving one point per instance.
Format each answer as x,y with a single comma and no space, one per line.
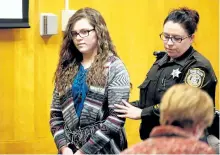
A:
80,136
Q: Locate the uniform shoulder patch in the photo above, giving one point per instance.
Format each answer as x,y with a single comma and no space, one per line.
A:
195,77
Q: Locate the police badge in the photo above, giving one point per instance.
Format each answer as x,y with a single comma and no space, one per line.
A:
195,77
175,73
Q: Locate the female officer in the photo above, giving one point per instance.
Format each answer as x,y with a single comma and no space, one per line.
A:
181,63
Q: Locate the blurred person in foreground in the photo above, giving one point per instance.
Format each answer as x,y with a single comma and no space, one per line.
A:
185,112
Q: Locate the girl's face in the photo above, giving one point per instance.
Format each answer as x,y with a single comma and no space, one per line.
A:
84,37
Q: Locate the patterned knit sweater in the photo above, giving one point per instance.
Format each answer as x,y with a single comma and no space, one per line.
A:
110,137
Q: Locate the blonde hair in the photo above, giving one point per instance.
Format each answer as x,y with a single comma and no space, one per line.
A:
182,102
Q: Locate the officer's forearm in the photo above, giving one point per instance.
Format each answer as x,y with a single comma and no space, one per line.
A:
152,110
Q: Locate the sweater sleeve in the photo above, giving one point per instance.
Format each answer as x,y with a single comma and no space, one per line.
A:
118,88
57,122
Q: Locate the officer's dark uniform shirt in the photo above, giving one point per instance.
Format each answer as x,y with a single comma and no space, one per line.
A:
191,68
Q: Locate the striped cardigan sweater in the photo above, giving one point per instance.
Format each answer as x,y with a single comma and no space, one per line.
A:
110,137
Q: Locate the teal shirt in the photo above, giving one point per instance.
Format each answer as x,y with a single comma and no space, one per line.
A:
79,90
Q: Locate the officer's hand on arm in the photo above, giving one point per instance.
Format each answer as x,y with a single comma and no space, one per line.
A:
128,111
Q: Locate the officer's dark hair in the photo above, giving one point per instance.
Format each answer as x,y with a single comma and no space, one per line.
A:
188,18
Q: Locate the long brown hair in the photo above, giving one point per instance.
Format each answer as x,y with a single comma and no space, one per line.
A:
70,57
